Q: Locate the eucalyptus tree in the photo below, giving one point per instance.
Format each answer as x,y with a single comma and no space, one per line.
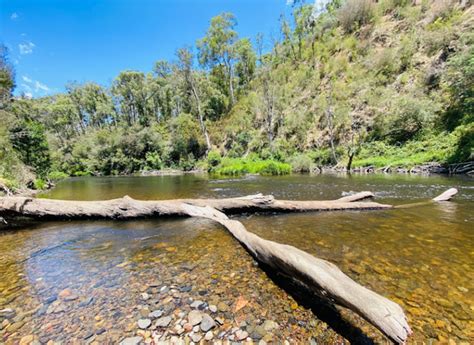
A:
188,75
7,80
246,62
94,107
217,48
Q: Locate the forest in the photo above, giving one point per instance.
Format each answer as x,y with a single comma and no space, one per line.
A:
354,84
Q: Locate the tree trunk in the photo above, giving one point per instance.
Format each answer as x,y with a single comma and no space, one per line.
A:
322,277
202,124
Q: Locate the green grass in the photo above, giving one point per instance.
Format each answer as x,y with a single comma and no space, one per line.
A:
432,149
241,166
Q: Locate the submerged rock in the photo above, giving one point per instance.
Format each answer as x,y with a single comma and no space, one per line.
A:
207,323
163,321
195,317
144,323
131,341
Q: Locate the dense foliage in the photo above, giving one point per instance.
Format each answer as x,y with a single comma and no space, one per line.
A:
359,83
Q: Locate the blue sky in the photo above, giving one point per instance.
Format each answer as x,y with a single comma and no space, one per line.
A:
53,42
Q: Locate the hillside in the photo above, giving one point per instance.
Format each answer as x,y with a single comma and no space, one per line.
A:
387,83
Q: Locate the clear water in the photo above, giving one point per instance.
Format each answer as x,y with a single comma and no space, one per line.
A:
420,257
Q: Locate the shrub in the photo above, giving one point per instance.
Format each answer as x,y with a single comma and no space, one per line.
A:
301,163
39,184
57,175
354,14
236,166
213,160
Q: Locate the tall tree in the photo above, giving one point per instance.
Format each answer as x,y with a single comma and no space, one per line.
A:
185,65
217,48
246,62
7,80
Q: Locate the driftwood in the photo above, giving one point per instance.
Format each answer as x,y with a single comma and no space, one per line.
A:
321,276
127,207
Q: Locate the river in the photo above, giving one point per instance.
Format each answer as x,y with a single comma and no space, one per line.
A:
91,281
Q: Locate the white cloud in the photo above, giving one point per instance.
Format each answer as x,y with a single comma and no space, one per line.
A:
40,86
34,87
28,95
14,16
26,79
26,48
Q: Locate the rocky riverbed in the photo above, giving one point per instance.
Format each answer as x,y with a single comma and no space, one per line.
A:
188,280
92,290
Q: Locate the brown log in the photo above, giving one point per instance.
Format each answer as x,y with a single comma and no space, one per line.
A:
322,277
127,207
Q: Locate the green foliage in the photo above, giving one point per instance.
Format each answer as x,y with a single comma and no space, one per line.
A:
39,184
355,13
443,148
57,175
29,140
241,166
301,163
390,81
213,160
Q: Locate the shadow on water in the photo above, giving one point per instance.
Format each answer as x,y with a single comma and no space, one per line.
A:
323,309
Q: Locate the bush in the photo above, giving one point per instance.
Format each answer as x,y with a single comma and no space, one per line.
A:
301,163
354,14
57,175
239,166
39,184
213,160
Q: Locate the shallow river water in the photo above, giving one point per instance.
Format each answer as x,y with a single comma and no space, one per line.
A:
91,281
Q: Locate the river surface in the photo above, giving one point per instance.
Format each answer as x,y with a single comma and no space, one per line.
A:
91,281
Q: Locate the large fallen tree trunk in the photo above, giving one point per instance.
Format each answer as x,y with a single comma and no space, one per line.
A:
127,207
319,275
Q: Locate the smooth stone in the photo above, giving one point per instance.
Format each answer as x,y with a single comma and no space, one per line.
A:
209,335
155,283
241,335
207,323
188,327
145,296
156,314
196,337
7,313
86,302
15,326
186,288
222,307
196,304
131,341
213,308
65,293
163,321
144,323
26,340
194,317
270,325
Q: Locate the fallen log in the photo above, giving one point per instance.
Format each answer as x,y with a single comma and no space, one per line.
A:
127,207
321,276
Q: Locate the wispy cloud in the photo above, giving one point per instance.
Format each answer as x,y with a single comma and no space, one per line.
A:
14,16
26,48
34,87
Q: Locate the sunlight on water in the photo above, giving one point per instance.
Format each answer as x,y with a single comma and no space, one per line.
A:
84,280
